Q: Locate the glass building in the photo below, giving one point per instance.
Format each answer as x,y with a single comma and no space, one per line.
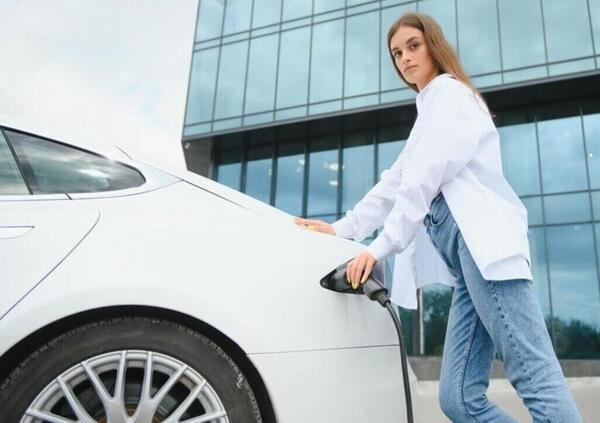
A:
296,103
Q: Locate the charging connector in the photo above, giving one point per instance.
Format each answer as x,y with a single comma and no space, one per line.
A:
375,291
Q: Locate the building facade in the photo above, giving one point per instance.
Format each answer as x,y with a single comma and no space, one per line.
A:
296,103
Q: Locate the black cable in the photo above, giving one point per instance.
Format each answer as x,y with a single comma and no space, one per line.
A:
375,291
403,360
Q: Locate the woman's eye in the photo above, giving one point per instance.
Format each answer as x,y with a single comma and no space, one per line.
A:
414,46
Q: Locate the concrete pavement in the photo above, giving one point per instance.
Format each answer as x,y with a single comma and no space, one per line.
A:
586,391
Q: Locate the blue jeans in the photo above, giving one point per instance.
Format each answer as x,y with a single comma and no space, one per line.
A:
488,318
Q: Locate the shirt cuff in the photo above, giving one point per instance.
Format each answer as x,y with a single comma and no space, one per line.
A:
380,248
342,228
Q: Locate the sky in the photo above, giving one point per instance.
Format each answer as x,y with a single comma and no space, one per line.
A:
107,72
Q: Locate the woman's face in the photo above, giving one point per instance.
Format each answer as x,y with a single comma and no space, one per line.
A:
412,56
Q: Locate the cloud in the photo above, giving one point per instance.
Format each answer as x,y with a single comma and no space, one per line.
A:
106,72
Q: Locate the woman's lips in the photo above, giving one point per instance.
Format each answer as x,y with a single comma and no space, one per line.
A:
410,68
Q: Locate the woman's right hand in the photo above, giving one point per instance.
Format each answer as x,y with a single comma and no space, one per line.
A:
315,225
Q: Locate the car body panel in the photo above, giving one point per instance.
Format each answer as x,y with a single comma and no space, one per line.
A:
32,198
29,255
352,385
273,280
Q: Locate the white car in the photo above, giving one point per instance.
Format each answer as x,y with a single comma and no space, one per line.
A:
133,293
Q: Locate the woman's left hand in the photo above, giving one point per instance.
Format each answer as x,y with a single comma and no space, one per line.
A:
359,269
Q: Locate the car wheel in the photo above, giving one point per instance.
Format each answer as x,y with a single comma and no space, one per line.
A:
125,370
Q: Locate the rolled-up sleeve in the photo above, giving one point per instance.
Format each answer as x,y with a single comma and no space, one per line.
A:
371,211
447,142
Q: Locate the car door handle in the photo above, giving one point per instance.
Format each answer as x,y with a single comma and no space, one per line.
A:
7,232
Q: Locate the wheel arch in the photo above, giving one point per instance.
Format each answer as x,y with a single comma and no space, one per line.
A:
15,355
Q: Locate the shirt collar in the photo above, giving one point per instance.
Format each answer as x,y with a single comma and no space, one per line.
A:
421,94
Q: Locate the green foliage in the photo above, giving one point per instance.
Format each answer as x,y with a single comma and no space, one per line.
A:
575,339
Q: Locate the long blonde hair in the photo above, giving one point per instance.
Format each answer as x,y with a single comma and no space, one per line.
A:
444,57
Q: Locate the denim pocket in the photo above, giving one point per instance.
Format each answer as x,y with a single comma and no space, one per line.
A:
438,214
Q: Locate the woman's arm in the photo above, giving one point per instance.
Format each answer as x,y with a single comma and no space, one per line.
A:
370,212
448,141
366,216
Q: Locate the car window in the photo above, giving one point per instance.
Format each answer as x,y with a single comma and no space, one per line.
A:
11,179
53,168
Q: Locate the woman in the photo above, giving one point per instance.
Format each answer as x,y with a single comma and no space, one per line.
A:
449,179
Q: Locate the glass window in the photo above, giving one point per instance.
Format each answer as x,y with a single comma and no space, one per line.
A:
487,80
591,125
539,268
409,319
596,205
525,74
355,2
260,88
534,210
237,16
196,129
561,152
226,124
327,61
292,82
436,303
54,168
293,9
597,229
522,33
232,72
520,158
567,208
390,80
11,180
259,169
362,101
387,153
327,5
571,67
567,38
323,168
444,13
574,284
290,177
202,86
229,169
362,53
595,13
357,169
478,36
266,12
210,18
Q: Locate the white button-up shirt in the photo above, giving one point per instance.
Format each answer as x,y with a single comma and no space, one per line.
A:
454,148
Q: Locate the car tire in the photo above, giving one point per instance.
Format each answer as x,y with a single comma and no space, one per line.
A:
69,362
